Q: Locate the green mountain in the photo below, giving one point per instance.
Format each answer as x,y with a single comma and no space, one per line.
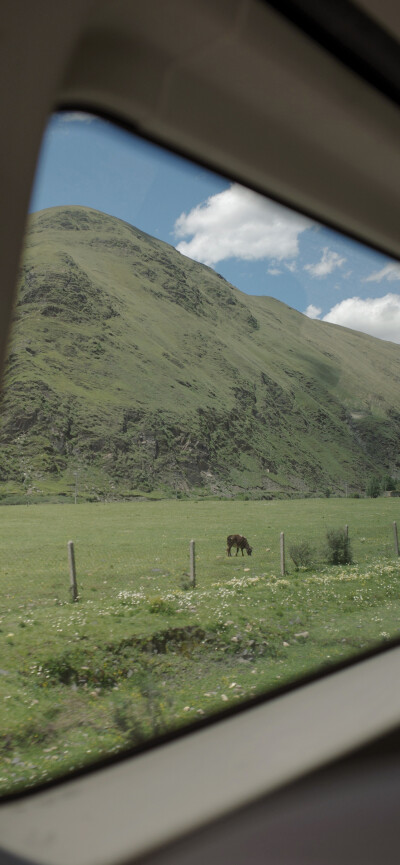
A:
134,369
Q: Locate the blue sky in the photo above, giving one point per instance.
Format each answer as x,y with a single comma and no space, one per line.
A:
257,245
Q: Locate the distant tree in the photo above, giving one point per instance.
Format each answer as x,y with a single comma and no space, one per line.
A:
373,488
327,493
388,483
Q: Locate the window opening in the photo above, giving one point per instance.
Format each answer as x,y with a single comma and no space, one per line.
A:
181,405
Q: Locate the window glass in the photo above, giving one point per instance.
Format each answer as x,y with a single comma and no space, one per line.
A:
199,452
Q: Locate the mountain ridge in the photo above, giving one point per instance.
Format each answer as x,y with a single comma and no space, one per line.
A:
141,370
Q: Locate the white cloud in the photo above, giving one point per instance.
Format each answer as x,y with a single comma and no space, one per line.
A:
389,272
292,266
313,311
330,261
274,271
379,316
238,223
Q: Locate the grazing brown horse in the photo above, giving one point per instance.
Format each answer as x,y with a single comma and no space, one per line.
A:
240,542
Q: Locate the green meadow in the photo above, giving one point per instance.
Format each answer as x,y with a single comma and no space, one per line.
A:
142,651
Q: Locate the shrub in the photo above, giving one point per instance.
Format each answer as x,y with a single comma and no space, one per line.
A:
158,605
338,550
301,554
373,488
128,721
388,483
186,583
146,713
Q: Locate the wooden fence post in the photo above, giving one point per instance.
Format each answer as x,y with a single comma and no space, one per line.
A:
346,531
192,564
396,539
72,571
283,569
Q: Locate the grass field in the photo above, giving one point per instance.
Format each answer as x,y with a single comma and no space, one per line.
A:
141,651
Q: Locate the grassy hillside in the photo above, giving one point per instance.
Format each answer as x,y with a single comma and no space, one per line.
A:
133,369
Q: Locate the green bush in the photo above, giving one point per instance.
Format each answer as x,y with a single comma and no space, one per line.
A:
373,488
388,483
301,555
185,583
158,605
128,720
338,550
